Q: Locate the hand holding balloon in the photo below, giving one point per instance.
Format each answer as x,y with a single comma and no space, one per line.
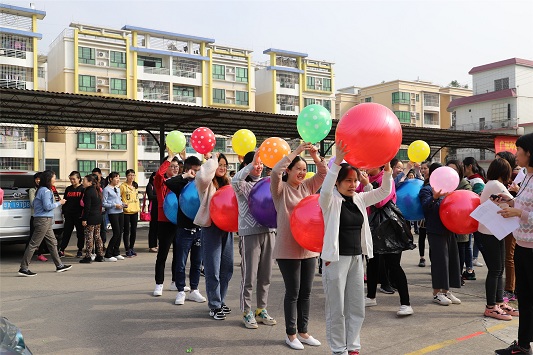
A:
364,178
439,194
342,150
388,167
189,175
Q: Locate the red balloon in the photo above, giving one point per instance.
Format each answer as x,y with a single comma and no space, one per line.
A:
372,133
455,211
203,140
307,224
224,209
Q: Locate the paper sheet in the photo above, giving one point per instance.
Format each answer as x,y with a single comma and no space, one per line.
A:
520,176
487,214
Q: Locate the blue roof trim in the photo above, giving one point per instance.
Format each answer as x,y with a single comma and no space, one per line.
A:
23,9
20,32
171,53
283,52
292,70
168,34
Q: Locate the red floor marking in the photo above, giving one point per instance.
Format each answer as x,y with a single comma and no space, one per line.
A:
470,336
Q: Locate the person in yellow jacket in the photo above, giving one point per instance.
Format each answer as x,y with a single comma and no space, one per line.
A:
129,191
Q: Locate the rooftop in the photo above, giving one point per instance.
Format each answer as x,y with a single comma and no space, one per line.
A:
494,95
22,11
169,35
285,53
501,63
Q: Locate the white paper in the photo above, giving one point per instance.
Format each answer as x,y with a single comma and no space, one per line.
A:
487,214
520,176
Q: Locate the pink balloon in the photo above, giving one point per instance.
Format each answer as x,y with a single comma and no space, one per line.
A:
203,140
445,179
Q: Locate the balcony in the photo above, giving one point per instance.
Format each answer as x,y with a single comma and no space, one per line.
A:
13,53
19,149
190,100
158,71
149,96
287,88
286,109
13,84
501,125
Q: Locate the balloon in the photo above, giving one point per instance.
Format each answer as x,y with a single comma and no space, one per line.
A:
170,207
332,161
309,175
224,209
176,141
407,199
272,150
307,224
314,123
455,211
445,179
262,205
243,141
189,200
418,151
203,140
372,133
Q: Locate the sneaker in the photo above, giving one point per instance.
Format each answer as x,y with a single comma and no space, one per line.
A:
509,296
476,263
469,275
264,318
353,352
173,287
405,311
85,260
497,313
186,288
386,289
153,250
128,254
369,302
26,273
509,310
249,320
422,262
119,257
202,273
217,314
196,296
133,253
441,299
180,298
42,258
309,341
514,349
226,309
111,259
98,259
158,290
93,257
295,344
452,298
63,268
79,254
61,253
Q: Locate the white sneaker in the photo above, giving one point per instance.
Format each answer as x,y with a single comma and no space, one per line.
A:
405,311
186,288
93,256
173,286
195,296
110,259
369,302
180,298
158,290
295,344
476,263
452,298
441,299
309,341
119,257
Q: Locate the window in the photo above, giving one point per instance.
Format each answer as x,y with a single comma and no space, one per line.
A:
501,84
310,83
118,59
87,83
328,147
327,105
482,123
431,100
53,164
403,116
242,75
86,55
118,87
327,84
119,141
220,145
402,155
183,91
219,96
85,167
368,99
401,98
431,119
311,168
16,163
219,72
287,80
120,167
241,98
417,97
308,102
149,62
86,140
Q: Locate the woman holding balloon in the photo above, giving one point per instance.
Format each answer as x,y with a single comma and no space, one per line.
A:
297,265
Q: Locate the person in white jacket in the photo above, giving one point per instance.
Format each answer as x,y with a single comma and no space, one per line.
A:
347,238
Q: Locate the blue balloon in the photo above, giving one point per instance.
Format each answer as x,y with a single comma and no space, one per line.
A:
407,199
190,200
262,205
170,207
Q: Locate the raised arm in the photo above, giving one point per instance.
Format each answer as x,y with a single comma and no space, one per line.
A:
377,196
206,173
314,183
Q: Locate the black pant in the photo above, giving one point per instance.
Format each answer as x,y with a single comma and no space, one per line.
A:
103,228
523,263
421,241
395,271
130,230
298,275
70,223
444,256
166,234
117,225
493,251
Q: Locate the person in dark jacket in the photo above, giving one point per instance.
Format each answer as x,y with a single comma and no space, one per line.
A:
152,198
91,218
444,256
72,211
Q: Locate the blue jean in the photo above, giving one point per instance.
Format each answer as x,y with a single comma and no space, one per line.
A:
188,240
465,254
217,254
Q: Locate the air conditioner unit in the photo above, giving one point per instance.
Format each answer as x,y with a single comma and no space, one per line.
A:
100,138
102,165
230,70
413,114
102,81
101,54
102,64
100,146
505,124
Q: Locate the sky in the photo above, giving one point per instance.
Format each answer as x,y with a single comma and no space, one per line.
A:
369,41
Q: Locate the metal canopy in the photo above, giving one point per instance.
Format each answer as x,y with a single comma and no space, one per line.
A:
76,110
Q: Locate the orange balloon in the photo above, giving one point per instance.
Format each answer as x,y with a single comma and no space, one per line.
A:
272,150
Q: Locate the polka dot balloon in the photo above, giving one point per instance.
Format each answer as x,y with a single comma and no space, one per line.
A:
272,150
314,123
203,140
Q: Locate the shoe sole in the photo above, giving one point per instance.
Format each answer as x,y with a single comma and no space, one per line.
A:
25,275
158,294
251,326
179,303
266,322
197,301
442,304
63,270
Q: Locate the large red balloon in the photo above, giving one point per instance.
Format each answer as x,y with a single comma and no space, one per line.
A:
372,133
307,224
224,209
455,211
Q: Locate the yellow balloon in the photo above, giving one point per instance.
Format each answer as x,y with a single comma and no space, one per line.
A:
243,141
418,151
309,174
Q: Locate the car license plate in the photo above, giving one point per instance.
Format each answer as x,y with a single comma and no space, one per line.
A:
15,205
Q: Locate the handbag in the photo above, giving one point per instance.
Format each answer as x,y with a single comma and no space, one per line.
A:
145,211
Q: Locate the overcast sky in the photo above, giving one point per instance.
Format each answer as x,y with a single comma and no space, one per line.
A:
369,41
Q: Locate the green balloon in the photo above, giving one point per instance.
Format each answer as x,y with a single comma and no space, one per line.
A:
314,123
176,141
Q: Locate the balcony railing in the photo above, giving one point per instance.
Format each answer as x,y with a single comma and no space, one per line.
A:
287,84
286,107
12,84
179,98
184,73
428,122
13,145
511,123
13,53
155,96
160,71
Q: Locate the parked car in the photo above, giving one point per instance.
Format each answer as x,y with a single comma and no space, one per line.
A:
15,211
11,339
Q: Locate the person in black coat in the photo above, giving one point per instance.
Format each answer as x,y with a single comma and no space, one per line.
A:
92,217
152,198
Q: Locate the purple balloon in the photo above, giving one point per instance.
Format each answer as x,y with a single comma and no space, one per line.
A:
262,205
332,160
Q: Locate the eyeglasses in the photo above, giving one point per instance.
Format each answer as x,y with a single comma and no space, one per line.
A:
131,175
174,167
222,166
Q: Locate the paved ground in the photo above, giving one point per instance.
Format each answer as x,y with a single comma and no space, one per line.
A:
105,308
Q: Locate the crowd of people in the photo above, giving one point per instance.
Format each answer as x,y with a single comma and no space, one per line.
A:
364,237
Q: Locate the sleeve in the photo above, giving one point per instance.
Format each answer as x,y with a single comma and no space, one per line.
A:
377,196
399,178
123,192
276,182
326,193
391,195
176,184
239,180
87,205
314,183
427,200
48,205
150,192
205,175
107,201
31,195
478,188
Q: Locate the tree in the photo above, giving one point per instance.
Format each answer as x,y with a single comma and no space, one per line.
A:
457,84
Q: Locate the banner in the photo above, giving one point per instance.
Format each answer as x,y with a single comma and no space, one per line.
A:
502,144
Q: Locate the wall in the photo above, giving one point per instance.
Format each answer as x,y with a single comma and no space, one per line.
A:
484,81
